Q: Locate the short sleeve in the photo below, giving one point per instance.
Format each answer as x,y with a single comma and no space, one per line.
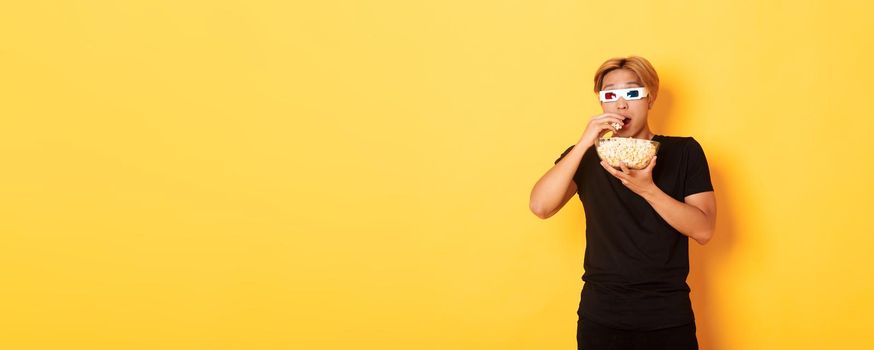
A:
697,170
564,154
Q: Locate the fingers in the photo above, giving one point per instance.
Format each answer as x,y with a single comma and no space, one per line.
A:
609,117
608,123
603,128
608,168
626,176
616,115
612,119
609,126
625,172
624,168
619,175
651,164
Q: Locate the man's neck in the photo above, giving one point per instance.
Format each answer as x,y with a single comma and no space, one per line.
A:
644,134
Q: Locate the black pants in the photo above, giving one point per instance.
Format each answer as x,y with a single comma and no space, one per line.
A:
593,336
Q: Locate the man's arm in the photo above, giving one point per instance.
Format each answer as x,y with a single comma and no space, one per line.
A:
557,186
695,218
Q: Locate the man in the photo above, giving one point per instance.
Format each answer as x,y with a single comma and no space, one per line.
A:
638,222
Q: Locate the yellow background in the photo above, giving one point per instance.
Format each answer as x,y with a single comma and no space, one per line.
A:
355,174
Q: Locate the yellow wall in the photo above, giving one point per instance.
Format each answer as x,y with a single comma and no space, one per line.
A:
355,174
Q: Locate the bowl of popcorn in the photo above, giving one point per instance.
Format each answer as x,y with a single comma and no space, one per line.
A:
634,153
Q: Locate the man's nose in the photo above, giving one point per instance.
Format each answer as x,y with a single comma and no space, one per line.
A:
621,103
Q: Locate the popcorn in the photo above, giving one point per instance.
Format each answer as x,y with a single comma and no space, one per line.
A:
635,153
616,125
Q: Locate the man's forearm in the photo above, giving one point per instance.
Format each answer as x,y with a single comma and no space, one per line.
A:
683,217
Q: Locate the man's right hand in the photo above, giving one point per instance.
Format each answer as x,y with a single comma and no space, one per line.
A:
598,126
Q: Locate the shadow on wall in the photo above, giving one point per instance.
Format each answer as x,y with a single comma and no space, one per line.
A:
703,260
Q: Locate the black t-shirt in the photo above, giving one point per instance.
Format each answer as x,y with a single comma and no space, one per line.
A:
635,263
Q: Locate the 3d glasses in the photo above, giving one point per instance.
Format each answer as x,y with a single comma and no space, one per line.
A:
635,93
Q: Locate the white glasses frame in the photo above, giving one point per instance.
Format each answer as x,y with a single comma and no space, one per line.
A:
641,93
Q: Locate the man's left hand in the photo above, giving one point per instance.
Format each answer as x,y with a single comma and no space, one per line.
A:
638,181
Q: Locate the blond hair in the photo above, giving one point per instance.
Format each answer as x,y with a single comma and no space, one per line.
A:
639,65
